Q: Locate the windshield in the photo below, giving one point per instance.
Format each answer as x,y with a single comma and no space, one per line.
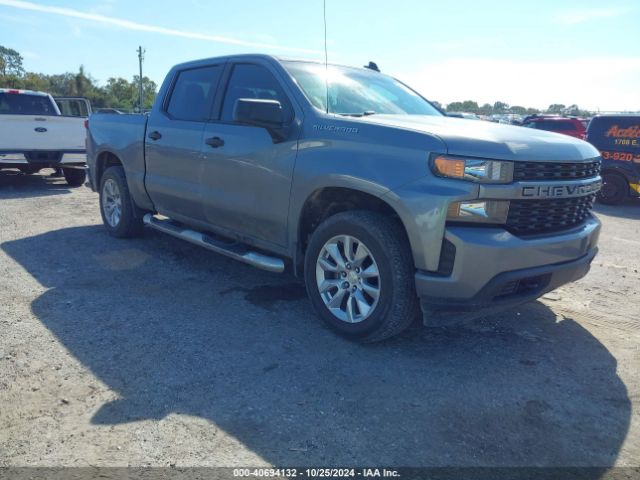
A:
25,104
354,91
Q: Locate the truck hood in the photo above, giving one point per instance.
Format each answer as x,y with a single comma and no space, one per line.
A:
478,138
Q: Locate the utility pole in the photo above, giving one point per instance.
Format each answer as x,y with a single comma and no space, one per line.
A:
140,60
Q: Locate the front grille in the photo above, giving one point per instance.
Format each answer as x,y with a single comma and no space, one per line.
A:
528,217
555,170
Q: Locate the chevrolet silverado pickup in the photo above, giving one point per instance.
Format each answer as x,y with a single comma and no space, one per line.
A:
354,182
34,135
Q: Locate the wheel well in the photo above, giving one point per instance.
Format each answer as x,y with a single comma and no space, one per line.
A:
105,160
326,202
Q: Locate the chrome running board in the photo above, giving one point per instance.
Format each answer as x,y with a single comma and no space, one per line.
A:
237,251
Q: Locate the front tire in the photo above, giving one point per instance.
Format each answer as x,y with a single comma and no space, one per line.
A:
75,177
116,206
359,275
615,189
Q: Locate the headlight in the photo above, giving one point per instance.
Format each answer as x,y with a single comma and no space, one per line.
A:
479,211
473,169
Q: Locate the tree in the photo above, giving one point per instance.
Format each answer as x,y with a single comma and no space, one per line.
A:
575,110
518,110
82,84
35,81
149,89
470,106
466,106
500,107
486,109
556,108
120,93
10,62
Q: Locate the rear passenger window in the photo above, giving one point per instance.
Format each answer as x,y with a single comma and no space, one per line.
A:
253,81
193,92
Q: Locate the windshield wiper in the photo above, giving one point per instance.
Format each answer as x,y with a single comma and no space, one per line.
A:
363,114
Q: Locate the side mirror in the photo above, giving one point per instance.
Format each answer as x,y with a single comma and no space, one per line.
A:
258,112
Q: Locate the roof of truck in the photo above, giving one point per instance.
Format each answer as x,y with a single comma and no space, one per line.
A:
249,56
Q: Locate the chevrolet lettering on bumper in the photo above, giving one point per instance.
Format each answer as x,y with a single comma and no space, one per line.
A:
559,191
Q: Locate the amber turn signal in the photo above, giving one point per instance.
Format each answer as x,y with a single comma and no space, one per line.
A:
449,167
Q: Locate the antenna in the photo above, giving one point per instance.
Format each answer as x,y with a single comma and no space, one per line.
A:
326,57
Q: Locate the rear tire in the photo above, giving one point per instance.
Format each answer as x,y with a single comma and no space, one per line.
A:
75,177
615,189
116,206
379,272
29,170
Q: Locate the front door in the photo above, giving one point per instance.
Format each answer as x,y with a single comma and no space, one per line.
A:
246,173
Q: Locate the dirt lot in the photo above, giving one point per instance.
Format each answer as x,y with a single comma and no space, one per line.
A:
155,352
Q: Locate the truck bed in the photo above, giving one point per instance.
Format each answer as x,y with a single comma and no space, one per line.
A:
119,133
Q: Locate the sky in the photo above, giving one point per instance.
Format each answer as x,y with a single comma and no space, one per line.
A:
531,54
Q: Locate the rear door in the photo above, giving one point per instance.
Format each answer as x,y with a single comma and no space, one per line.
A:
246,173
173,142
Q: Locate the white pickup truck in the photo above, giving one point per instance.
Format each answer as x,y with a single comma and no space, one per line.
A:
35,135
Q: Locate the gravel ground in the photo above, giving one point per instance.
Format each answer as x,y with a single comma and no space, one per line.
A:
155,352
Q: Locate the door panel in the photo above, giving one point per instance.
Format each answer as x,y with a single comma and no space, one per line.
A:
247,181
246,173
173,166
173,143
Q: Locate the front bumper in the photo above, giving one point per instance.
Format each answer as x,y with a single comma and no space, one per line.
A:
492,266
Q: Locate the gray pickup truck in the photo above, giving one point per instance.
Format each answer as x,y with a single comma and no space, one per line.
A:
352,180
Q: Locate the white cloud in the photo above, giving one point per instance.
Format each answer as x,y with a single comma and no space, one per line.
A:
592,83
581,15
143,27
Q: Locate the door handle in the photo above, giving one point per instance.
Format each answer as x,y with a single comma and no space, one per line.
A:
214,142
155,135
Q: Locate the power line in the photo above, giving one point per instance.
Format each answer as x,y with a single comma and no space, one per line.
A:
141,53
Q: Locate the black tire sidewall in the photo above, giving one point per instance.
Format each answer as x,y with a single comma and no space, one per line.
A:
366,327
621,189
29,170
129,225
74,176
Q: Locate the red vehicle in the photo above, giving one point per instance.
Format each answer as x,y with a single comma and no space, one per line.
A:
573,127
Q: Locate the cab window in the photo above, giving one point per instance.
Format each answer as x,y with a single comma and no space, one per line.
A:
254,81
25,104
193,92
